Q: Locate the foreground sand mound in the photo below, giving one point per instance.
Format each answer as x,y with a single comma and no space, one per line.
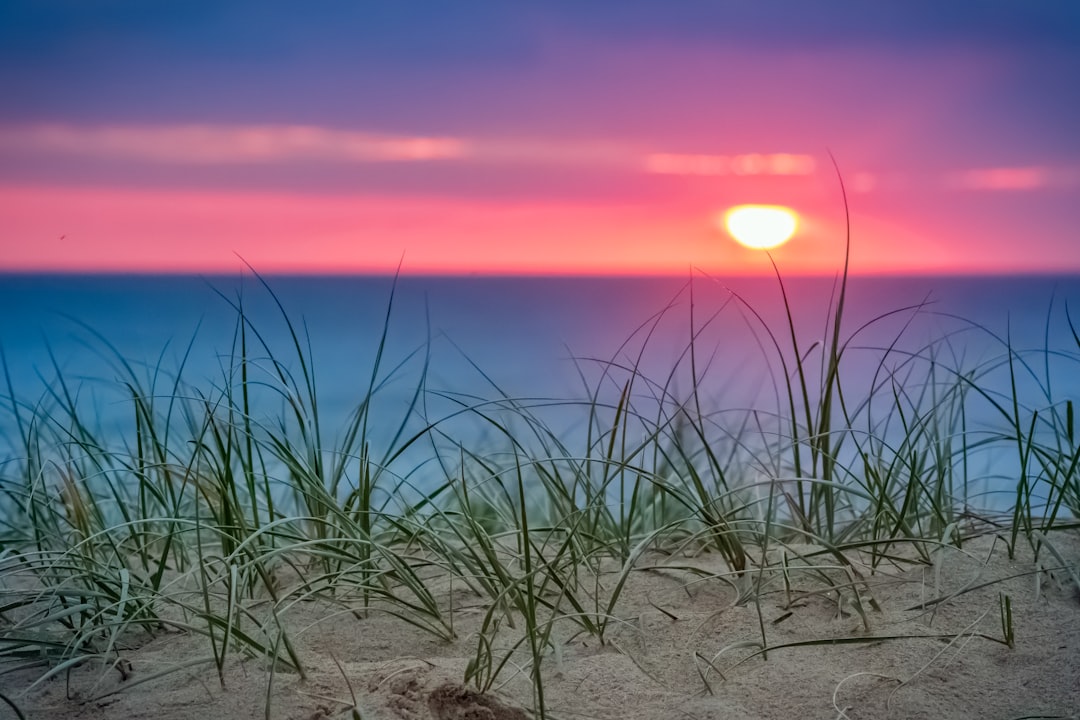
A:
905,641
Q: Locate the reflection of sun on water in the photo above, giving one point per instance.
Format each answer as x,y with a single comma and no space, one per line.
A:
761,227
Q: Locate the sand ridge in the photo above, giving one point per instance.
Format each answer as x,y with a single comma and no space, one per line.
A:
685,642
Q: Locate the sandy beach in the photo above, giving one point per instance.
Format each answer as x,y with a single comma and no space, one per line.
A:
906,641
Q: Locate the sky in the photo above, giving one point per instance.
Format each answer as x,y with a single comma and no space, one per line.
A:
529,137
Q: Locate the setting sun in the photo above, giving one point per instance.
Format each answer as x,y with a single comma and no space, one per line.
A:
761,227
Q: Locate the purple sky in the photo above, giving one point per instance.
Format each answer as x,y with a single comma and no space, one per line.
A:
536,136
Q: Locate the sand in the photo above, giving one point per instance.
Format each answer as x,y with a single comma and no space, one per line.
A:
684,645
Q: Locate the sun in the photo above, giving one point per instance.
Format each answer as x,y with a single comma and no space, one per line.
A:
761,227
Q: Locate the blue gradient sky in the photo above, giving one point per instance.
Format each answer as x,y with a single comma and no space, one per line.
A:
565,137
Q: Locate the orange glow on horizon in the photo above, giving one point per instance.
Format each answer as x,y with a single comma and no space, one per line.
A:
84,230
64,229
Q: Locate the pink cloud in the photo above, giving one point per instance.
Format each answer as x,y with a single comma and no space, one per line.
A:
744,164
219,144
1011,178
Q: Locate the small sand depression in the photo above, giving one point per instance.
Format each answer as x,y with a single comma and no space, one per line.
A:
686,639
451,701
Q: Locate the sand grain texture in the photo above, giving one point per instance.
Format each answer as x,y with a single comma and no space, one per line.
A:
683,647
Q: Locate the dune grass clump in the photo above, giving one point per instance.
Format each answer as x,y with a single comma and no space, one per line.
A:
207,517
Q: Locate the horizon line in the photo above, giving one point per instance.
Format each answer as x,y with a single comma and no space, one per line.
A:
480,275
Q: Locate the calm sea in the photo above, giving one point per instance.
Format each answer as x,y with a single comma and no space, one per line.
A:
534,339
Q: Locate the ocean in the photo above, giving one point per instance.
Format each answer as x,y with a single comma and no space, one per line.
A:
546,342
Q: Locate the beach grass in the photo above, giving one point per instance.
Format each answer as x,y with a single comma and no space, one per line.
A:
208,517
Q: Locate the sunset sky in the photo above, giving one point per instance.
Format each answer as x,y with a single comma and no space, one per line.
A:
565,136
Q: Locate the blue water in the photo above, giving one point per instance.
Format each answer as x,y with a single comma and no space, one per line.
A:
528,338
